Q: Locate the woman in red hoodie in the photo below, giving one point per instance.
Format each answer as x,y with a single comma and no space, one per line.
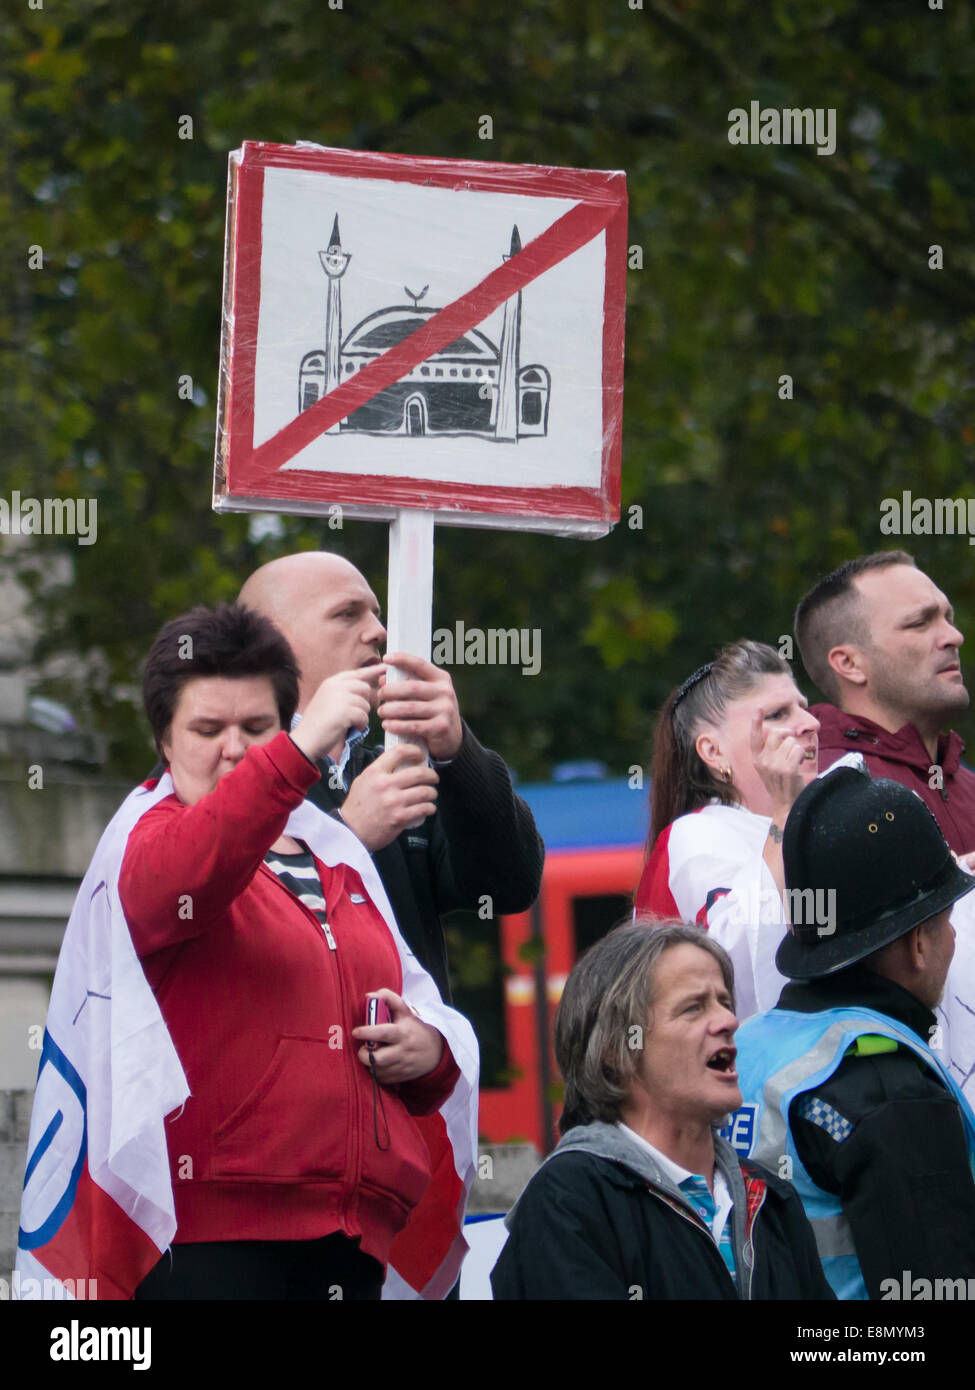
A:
295,1159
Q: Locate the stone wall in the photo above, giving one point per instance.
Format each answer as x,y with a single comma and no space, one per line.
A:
15,1107
52,830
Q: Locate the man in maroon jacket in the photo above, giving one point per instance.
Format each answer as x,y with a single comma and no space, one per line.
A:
878,638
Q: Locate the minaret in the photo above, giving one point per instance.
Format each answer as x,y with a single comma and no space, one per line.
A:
335,262
509,356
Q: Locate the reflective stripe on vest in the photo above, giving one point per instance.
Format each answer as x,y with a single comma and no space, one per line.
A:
782,1054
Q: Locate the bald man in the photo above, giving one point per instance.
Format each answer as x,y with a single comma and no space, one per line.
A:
477,839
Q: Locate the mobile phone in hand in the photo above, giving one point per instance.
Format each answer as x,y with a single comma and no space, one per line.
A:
377,1011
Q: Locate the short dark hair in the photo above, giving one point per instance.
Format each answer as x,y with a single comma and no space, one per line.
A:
228,640
832,613
680,779
609,991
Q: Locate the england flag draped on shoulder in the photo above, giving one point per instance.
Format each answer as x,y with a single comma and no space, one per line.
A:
97,1208
706,867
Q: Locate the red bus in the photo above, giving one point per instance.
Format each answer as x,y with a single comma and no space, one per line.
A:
512,971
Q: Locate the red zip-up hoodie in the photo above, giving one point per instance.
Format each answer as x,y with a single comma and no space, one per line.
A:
278,1140
903,758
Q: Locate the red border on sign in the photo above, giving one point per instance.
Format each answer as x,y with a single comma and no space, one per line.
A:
257,473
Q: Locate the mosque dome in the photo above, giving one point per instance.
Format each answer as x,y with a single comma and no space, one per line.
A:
387,327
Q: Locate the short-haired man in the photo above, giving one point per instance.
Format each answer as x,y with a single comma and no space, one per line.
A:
878,638
642,1199
477,839
838,1079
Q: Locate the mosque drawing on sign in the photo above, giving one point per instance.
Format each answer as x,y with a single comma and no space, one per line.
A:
469,387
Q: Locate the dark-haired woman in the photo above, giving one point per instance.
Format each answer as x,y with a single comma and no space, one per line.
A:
733,747
262,930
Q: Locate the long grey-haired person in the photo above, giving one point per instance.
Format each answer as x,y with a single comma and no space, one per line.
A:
642,1198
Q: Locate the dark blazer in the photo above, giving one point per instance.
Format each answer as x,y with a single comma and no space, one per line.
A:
481,843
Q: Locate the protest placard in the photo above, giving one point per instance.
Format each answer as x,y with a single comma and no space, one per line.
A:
423,333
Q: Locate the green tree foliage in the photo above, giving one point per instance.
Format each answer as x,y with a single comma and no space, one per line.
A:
758,262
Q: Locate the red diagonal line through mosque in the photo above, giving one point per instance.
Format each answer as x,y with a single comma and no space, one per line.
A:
579,225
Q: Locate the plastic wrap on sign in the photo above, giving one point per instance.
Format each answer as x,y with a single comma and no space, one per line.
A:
434,333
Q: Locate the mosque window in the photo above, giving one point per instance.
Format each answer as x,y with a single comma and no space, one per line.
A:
531,408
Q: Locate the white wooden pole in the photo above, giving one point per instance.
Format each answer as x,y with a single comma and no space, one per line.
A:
409,608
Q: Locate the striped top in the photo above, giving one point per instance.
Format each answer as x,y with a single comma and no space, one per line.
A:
300,876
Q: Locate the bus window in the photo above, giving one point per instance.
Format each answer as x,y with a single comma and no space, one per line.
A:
477,984
593,917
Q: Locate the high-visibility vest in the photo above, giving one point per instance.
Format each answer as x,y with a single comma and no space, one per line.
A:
782,1054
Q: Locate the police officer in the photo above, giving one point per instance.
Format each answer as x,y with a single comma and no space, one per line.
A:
844,1088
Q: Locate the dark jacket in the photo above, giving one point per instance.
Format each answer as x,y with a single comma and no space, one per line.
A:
895,1153
481,843
600,1220
903,758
